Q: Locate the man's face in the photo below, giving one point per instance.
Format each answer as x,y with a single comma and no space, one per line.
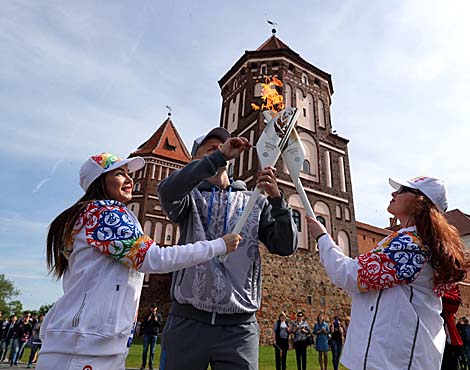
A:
209,146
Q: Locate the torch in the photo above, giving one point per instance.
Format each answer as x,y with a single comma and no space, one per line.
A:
269,147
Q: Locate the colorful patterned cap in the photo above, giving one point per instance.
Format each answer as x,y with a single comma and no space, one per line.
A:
433,188
98,164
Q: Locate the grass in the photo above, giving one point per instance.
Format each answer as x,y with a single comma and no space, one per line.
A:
266,357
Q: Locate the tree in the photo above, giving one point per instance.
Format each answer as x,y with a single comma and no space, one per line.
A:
7,292
15,308
45,308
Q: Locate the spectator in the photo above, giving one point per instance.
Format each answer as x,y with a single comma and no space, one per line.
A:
301,330
281,341
9,333
20,339
29,316
150,328
321,331
35,340
398,284
336,341
99,249
214,304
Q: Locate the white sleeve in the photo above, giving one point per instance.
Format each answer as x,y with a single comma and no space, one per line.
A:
162,260
341,269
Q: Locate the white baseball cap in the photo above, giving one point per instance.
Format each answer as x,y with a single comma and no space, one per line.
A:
218,132
433,188
98,164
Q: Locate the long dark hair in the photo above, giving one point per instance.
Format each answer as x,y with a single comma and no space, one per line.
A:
449,258
59,236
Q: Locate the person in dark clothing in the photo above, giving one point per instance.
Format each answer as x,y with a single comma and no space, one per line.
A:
336,342
150,328
9,332
22,335
281,341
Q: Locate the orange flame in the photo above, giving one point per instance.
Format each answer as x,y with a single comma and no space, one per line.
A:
272,100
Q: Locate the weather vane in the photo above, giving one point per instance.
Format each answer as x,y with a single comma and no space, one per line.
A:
169,110
274,24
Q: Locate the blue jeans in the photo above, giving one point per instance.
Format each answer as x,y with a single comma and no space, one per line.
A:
336,348
149,340
16,347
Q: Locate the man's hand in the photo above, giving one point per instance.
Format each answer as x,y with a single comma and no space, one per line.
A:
234,146
267,181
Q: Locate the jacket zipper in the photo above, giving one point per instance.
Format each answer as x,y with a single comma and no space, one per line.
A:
371,329
76,318
416,333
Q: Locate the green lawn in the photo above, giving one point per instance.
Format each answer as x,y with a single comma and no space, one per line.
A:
266,357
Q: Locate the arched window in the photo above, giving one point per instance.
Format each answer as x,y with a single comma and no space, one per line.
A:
134,208
338,211
347,214
137,186
264,69
343,242
304,78
306,166
258,89
298,214
322,211
168,234
157,235
147,227
297,219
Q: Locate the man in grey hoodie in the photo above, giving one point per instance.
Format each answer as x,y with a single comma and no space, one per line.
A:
214,304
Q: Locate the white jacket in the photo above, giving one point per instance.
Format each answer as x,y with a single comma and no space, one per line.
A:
103,281
395,314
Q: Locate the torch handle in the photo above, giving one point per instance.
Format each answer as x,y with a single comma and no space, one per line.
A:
303,196
243,218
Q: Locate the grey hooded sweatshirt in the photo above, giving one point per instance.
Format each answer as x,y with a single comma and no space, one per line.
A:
229,292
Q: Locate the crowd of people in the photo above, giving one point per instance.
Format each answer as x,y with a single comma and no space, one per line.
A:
16,334
297,334
216,287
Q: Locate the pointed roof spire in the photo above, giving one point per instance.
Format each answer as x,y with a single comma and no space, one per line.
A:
273,43
165,142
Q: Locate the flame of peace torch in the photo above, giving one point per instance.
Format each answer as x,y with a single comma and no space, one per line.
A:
272,100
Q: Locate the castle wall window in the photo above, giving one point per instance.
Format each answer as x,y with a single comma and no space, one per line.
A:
306,166
134,208
343,242
347,214
305,104
304,79
338,211
168,234
234,105
288,97
322,211
137,186
153,171
157,235
298,214
297,219
264,69
258,90
148,227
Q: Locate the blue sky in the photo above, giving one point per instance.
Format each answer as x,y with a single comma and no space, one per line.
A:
78,78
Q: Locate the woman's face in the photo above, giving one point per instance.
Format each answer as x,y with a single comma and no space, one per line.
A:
282,317
119,185
403,203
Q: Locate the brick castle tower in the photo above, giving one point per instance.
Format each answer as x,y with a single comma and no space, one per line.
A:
290,283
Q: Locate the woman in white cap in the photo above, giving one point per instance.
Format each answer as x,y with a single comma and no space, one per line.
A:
99,250
396,288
